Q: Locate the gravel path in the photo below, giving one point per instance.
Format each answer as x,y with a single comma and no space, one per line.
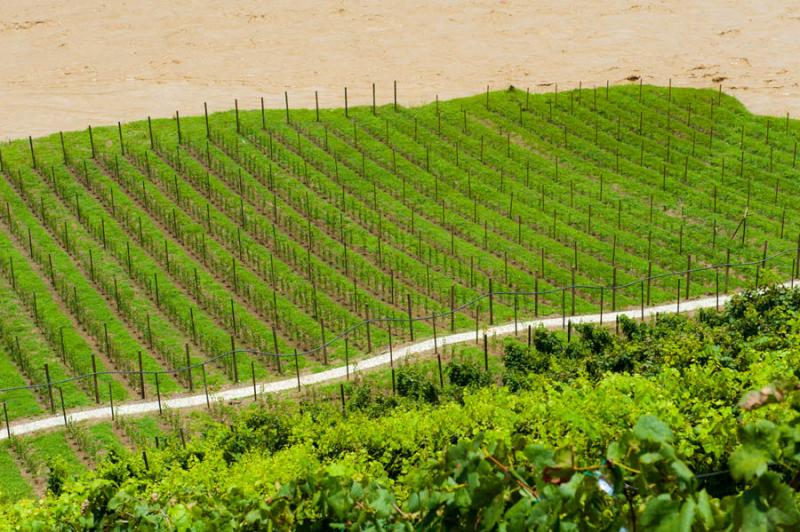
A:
198,400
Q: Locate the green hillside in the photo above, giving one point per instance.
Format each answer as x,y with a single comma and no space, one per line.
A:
129,252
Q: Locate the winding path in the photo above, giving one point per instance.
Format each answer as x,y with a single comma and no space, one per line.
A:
21,427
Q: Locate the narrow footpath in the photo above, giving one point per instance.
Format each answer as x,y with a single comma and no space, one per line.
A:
21,427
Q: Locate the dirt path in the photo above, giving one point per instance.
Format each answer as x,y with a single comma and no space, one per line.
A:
69,64
21,427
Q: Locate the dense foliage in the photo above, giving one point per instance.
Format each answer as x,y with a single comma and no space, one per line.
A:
653,428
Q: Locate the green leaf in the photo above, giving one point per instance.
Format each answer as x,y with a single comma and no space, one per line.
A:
748,462
749,513
336,470
651,458
650,428
383,504
682,471
661,513
687,515
614,452
540,456
704,509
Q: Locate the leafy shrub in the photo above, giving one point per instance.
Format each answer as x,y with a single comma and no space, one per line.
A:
255,428
546,342
597,339
467,373
519,361
632,329
517,357
414,383
56,475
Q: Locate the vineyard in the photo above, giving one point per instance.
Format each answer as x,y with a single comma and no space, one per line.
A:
596,430
169,255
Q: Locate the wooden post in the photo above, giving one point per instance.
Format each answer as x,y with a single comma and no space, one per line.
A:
678,305
64,149
233,359
433,321
94,378
205,112
63,408
688,274
33,155
141,376
491,303
158,394
111,400
369,334
347,357
411,320
573,292
178,121
341,395
189,368
716,286
324,345
797,254
49,388
477,320
263,115
728,267
515,314
121,143
205,385
253,373
485,352
275,347
439,363
391,347
453,308
316,103
286,99
614,290
5,415
297,368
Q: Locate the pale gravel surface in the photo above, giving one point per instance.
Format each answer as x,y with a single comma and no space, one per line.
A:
382,359
66,65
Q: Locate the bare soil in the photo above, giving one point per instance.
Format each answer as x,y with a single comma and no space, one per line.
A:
69,64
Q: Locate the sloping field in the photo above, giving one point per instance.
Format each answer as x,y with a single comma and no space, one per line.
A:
135,250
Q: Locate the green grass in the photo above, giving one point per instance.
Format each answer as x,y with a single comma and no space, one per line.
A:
53,446
13,485
104,435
